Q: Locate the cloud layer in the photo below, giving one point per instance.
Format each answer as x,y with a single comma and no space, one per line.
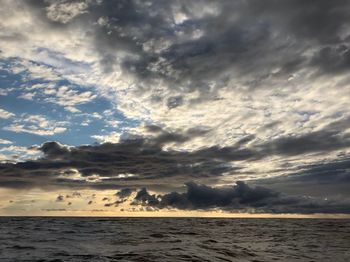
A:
209,91
238,198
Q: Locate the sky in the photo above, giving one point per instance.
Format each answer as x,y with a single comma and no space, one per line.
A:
174,107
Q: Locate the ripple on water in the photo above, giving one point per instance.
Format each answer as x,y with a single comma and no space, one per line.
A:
167,239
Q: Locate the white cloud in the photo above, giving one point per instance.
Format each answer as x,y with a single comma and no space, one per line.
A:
5,114
64,12
34,130
18,153
66,96
96,115
34,71
113,137
69,98
5,91
27,96
113,122
36,124
5,142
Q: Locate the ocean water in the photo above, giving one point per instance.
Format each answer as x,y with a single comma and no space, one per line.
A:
173,239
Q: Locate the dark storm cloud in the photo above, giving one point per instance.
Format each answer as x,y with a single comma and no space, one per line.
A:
330,138
144,197
332,59
245,39
333,171
143,161
164,136
124,192
318,141
53,150
240,197
326,172
108,165
322,179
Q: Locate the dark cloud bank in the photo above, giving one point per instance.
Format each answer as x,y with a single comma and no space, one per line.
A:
148,163
327,178
239,197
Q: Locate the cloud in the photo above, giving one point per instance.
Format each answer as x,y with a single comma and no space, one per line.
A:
240,197
5,114
5,91
68,98
27,96
22,129
60,198
137,161
232,67
13,154
53,150
329,138
36,124
332,59
261,42
320,179
113,137
5,142
65,12
195,52
34,71
74,194
215,90
144,197
124,192
162,137
108,165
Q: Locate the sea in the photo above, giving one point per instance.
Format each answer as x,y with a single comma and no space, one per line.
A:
173,239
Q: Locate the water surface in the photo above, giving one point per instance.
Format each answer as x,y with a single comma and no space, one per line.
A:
173,239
